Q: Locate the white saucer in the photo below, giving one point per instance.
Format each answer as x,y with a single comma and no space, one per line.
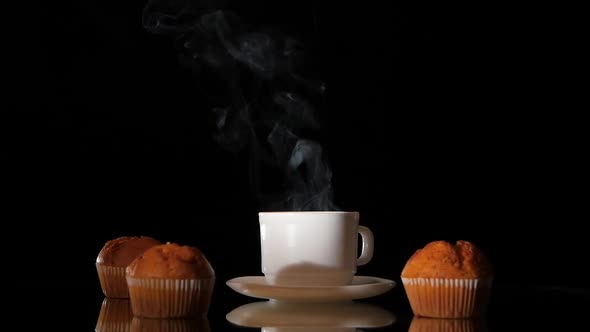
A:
361,287
293,314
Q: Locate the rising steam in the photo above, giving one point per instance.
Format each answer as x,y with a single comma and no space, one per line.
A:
261,96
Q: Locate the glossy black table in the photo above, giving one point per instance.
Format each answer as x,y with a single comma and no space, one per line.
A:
79,304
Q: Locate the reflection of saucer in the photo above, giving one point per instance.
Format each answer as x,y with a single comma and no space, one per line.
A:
327,315
114,316
361,287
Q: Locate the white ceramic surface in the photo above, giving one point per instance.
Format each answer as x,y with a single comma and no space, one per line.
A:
283,316
361,287
312,248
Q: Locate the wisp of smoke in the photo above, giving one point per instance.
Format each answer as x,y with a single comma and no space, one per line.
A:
263,100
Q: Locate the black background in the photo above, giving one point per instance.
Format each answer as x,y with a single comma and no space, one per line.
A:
438,123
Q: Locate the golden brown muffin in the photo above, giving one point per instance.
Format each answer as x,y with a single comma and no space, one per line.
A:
448,281
171,261
114,258
440,259
170,281
122,251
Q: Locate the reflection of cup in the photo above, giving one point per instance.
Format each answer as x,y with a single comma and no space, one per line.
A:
114,316
169,325
423,324
276,316
312,248
308,329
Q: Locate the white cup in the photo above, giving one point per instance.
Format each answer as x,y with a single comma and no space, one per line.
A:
305,248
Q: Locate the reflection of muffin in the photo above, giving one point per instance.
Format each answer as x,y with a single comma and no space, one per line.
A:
422,324
114,258
448,281
115,316
169,281
170,325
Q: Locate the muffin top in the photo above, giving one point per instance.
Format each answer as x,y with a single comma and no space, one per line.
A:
440,259
171,261
123,250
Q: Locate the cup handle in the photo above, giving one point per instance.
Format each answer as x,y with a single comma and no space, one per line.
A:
367,246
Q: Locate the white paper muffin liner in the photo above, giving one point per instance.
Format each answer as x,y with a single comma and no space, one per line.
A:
112,281
447,298
170,298
114,316
140,324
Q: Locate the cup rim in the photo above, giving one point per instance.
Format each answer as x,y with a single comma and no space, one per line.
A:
306,212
